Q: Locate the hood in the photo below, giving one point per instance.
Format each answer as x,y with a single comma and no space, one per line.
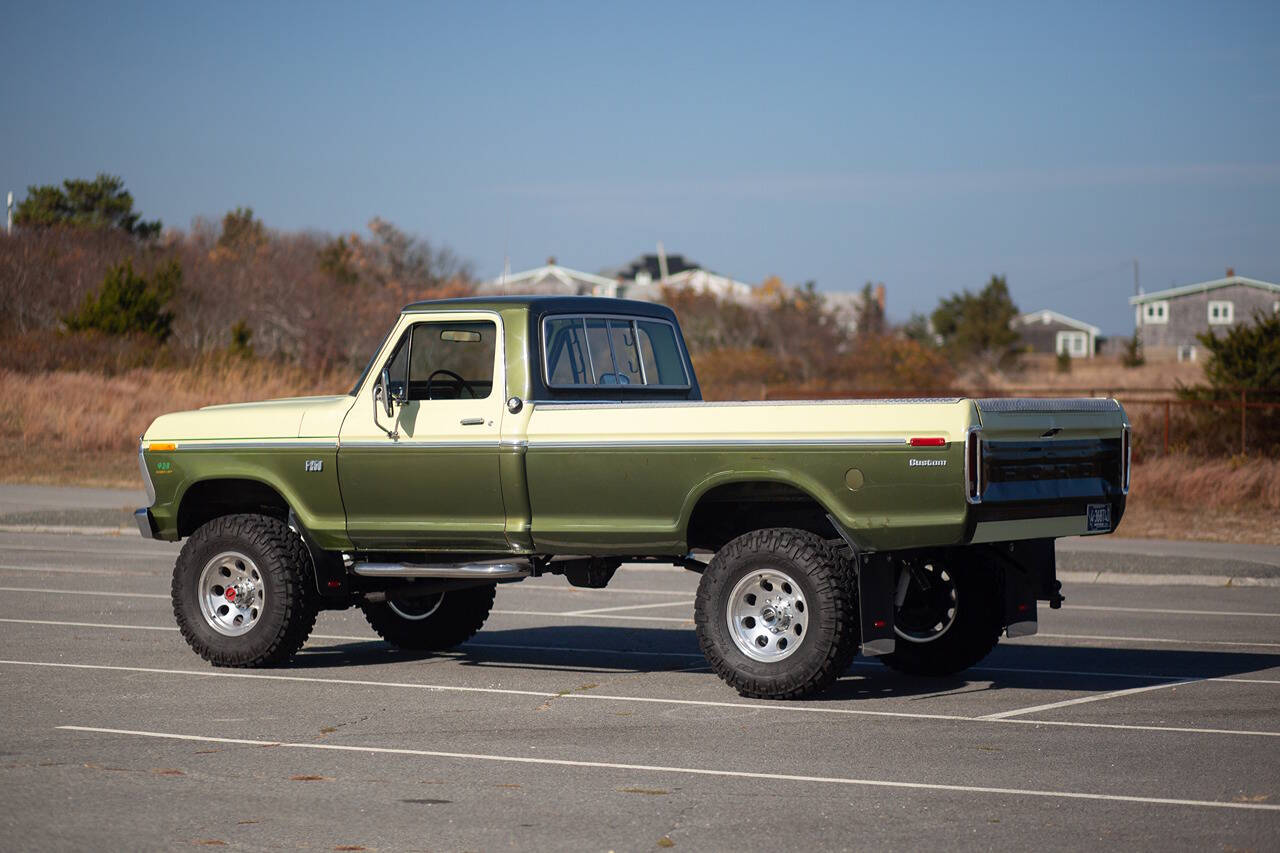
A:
296,417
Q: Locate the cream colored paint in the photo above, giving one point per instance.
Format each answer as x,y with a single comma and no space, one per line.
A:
429,421
890,421
280,419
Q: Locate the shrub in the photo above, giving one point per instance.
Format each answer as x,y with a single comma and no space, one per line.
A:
127,303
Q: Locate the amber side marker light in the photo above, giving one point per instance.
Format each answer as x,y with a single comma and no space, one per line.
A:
928,442
162,445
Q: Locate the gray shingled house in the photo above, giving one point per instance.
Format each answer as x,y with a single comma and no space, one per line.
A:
1051,332
1169,320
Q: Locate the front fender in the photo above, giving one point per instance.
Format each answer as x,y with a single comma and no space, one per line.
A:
305,474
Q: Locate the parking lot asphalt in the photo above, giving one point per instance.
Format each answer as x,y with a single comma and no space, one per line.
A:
586,719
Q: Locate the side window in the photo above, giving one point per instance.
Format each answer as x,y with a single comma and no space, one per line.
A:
452,361
612,351
626,360
601,359
567,362
662,362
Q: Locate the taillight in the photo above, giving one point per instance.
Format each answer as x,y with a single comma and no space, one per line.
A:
1126,458
973,465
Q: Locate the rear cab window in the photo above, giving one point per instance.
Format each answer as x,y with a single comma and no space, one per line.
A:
607,350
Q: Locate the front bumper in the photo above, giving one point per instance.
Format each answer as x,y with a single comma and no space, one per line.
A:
146,524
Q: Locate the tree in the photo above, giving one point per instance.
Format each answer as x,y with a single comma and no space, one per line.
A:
1248,356
1133,356
127,303
241,231
871,313
100,203
917,329
977,326
338,260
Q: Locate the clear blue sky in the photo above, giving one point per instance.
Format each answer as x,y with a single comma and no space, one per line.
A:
926,146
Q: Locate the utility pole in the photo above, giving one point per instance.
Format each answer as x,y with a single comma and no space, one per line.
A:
8,226
662,263
1137,289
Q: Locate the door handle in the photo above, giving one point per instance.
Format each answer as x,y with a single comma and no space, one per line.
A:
472,421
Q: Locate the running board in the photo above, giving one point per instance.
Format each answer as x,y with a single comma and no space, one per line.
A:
477,571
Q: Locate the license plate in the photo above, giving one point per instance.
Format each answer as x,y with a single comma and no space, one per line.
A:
1099,518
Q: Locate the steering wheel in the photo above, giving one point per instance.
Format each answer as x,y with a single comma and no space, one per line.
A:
463,385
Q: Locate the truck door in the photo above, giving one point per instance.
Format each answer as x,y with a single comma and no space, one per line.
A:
427,478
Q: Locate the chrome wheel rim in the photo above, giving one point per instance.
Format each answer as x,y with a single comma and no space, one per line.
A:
415,608
928,603
767,615
232,593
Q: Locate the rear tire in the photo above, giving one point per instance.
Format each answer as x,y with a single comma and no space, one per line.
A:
431,623
775,614
242,591
952,625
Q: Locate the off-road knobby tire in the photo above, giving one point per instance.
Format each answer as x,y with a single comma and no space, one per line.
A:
977,629
460,615
829,585
285,566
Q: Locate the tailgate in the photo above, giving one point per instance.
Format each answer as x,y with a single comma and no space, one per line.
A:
1047,468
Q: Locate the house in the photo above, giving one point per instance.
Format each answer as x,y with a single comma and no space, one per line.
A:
1168,320
551,279
644,278
1050,332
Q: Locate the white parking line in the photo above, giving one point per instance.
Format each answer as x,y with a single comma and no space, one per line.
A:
96,552
101,594
62,571
601,614
685,620
689,771
1155,640
783,708
1162,610
1097,697
683,602
604,650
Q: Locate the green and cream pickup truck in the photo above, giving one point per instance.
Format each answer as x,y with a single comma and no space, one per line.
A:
496,440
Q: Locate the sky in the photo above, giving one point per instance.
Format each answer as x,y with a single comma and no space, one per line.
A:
927,146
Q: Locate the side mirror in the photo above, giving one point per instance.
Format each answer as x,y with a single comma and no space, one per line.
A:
384,390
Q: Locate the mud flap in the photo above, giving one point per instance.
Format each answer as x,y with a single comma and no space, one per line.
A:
875,603
1030,573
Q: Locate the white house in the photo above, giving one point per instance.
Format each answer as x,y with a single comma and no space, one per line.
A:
1051,332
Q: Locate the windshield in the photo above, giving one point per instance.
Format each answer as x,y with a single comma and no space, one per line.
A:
355,389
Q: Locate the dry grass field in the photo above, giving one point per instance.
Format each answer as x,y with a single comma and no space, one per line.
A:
83,428
65,427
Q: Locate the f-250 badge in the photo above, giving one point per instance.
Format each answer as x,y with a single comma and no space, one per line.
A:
313,465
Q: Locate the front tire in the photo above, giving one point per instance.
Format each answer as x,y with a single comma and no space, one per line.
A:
950,619
775,614
433,622
242,592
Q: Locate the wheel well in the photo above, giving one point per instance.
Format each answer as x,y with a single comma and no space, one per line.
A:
728,511
210,499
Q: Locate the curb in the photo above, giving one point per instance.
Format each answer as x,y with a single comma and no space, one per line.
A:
1140,579
69,531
